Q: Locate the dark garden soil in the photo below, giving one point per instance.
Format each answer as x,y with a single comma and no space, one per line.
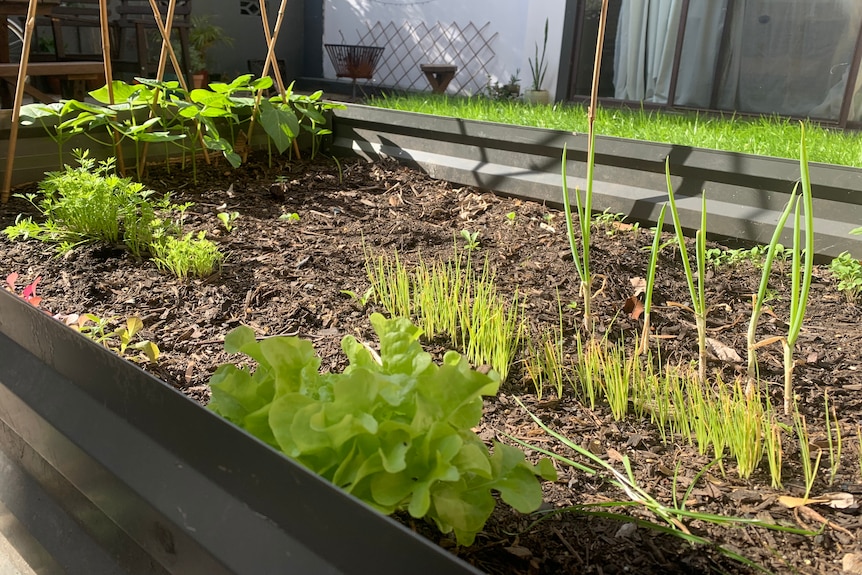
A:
286,278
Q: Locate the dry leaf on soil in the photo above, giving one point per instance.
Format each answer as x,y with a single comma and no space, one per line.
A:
723,352
836,500
634,307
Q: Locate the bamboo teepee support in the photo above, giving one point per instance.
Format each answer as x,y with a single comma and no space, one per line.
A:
22,75
271,38
165,31
106,48
109,75
19,98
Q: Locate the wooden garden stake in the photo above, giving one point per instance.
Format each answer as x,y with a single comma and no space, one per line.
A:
109,75
591,141
271,39
106,48
165,31
19,98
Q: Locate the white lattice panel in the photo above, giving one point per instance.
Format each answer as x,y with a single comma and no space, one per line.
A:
410,44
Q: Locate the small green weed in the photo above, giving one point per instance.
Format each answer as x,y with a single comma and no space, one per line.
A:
848,271
363,299
719,257
227,219
609,222
471,240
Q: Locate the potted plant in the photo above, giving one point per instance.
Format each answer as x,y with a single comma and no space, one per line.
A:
203,36
513,86
538,68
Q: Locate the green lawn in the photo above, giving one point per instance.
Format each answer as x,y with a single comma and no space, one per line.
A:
772,136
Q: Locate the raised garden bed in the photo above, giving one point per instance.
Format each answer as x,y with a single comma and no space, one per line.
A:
745,193
286,277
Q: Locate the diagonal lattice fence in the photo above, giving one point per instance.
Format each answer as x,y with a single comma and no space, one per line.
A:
407,45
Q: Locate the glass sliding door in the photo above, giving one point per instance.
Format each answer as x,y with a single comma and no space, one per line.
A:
789,57
786,57
702,42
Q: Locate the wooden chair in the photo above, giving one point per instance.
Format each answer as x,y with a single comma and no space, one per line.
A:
76,31
67,51
135,29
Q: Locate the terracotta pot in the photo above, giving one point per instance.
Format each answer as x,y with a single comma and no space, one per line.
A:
200,79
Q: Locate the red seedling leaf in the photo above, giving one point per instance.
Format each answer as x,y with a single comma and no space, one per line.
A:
29,292
634,307
11,279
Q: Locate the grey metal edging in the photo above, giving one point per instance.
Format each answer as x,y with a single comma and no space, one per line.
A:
161,484
745,193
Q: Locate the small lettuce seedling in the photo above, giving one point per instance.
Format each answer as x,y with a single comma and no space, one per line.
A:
118,340
227,219
471,240
363,299
394,430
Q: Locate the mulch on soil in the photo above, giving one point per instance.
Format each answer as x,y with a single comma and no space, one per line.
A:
286,278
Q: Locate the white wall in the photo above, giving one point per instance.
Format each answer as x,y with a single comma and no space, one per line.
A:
515,26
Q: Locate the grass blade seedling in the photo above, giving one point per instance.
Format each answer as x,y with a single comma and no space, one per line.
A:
809,470
833,440
650,282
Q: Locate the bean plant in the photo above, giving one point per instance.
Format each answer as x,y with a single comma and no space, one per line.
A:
214,119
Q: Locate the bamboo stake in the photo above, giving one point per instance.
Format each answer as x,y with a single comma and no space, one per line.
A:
109,74
166,45
591,120
19,98
160,71
166,41
106,48
271,39
270,45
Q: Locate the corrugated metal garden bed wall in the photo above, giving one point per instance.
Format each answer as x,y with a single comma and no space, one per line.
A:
745,193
